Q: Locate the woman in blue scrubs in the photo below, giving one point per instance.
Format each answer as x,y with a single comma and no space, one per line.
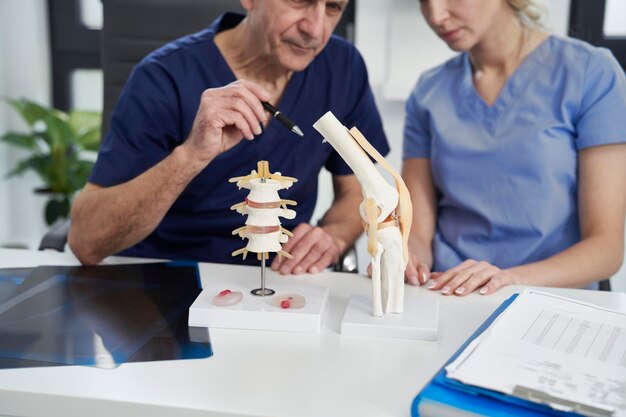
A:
515,155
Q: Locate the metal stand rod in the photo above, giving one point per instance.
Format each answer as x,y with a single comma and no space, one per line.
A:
263,292
263,272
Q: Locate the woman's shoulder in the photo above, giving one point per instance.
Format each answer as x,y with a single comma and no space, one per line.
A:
575,51
594,69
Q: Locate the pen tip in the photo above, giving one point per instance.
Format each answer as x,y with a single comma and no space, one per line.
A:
297,131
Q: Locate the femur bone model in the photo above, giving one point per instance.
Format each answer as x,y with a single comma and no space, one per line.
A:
263,206
386,212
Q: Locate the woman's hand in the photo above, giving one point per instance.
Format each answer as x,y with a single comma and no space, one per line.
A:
417,270
416,273
470,276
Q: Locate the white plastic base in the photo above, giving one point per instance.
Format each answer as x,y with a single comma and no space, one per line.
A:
258,313
419,321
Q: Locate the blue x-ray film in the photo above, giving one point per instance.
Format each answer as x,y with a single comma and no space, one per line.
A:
99,316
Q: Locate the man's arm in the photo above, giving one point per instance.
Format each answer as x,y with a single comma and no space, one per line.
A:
315,248
108,220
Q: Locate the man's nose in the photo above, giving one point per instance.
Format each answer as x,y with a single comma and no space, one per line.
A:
314,21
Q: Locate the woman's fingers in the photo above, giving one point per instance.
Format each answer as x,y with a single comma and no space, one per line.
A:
460,283
469,276
410,273
476,279
439,282
423,273
498,281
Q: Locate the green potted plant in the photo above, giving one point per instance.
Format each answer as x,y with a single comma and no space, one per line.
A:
56,143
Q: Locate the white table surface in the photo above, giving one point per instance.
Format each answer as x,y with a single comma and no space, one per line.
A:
255,373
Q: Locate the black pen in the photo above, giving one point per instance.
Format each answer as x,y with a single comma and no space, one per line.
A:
284,120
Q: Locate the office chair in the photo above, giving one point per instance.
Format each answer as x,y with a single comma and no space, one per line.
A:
134,28
56,237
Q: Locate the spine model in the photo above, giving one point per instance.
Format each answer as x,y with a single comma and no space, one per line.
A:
263,208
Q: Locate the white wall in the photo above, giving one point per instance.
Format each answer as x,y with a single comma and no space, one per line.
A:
614,18
4,160
24,72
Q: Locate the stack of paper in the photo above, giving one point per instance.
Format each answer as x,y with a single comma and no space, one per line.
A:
548,349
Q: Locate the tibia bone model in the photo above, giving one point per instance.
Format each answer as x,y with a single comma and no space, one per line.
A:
263,207
386,212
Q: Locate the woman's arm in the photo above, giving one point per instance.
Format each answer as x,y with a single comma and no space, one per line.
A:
418,179
598,255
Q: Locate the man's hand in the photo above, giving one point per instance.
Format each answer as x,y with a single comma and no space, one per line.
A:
225,116
313,249
469,276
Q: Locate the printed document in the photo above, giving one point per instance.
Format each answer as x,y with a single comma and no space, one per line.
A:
566,350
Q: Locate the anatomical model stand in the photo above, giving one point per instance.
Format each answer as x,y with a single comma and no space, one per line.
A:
263,207
225,303
386,212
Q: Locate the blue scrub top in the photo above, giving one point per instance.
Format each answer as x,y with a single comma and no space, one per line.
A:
506,174
155,114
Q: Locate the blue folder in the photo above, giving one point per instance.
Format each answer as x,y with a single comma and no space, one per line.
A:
456,398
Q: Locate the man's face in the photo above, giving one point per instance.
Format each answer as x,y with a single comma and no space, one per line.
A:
293,32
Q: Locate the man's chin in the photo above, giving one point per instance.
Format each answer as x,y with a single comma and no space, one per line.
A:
298,64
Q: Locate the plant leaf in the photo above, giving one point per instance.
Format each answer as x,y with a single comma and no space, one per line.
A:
58,134
30,111
83,121
80,174
57,208
39,163
90,140
19,169
56,143
21,140
86,126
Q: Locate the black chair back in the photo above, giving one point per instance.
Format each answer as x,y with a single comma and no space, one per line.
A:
134,28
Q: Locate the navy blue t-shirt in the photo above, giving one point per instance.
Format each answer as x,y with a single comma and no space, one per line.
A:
155,114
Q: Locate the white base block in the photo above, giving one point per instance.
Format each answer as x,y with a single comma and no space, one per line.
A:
419,321
258,313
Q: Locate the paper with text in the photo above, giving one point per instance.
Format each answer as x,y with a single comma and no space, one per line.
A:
562,347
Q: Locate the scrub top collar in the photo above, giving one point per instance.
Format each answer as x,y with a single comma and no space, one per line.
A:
515,85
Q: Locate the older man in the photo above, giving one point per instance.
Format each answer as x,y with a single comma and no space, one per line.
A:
160,185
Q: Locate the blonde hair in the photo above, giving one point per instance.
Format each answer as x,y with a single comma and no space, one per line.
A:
529,12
